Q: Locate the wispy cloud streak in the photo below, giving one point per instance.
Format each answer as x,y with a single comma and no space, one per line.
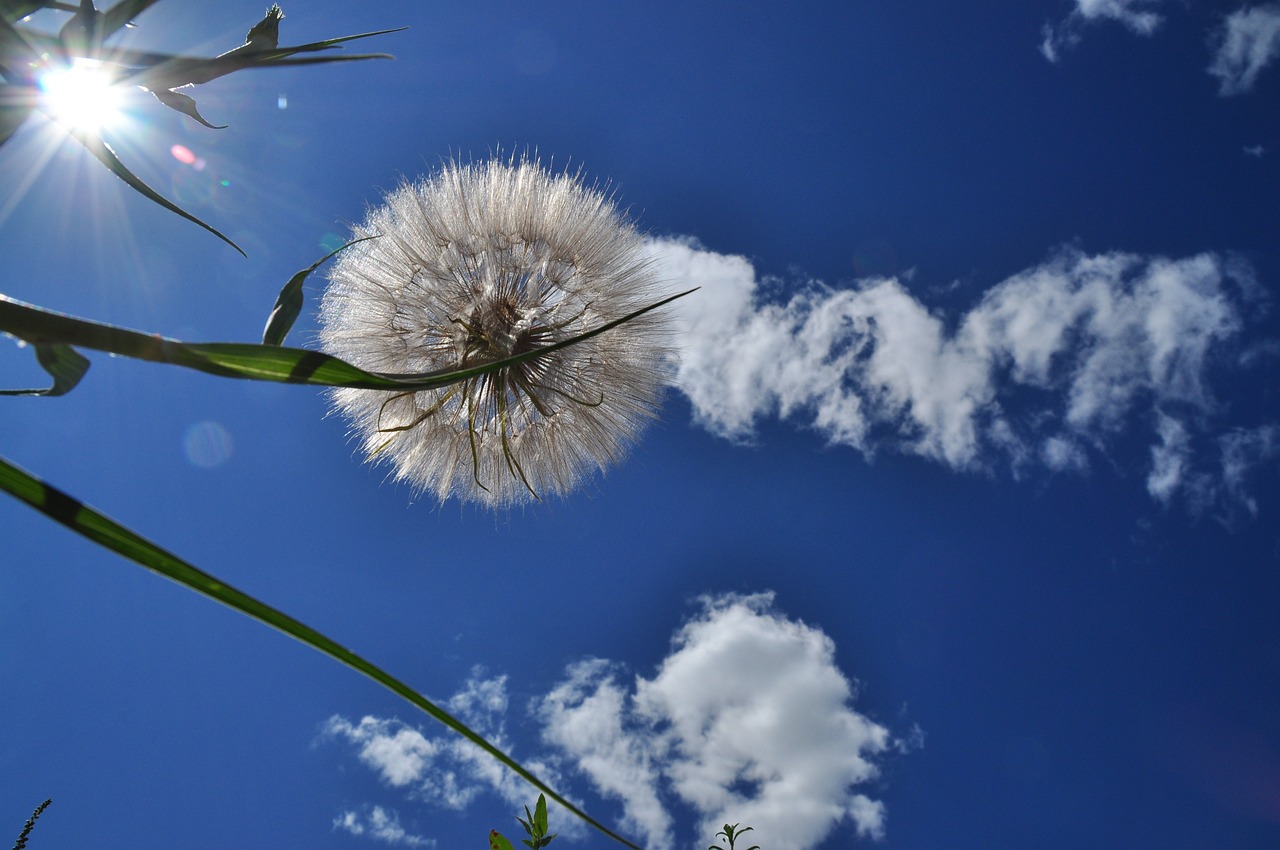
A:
1246,43
1047,370
1136,15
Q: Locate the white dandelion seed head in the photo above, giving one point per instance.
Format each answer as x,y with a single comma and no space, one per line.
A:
479,262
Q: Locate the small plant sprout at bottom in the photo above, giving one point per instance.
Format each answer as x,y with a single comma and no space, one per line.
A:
731,833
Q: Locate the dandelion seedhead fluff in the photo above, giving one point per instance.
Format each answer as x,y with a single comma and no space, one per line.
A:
481,262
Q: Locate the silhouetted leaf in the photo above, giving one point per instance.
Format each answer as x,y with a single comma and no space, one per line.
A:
122,13
103,152
16,103
184,104
289,303
64,363
256,362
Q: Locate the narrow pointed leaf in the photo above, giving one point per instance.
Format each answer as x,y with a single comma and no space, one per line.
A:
257,362
15,10
499,842
289,303
122,13
82,33
103,152
64,363
16,103
104,531
540,816
169,72
184,104
22,48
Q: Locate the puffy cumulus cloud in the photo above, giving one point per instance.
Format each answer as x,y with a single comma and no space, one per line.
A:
1047,370
1247,42
589,717
381,824
747,720
1134,14
444,770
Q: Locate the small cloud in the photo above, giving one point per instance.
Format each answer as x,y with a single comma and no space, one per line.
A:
1168,459
1246,43
1242,452
1133,14
1255,151
398,754
444,770
381,824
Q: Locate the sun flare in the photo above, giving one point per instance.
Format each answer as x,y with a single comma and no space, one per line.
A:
82,96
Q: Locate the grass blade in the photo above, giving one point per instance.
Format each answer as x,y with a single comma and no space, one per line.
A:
104,531
255,362
64,363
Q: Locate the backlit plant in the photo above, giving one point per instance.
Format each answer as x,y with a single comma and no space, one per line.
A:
530,343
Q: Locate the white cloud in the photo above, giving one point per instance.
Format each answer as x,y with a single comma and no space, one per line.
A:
1168,459
1247,42
1134,14
747,720
381,824
398,754
1051,365
446,770
584,717
1242,452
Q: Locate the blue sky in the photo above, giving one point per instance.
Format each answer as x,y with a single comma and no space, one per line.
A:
958,528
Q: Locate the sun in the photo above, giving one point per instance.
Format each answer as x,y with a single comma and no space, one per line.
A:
82,96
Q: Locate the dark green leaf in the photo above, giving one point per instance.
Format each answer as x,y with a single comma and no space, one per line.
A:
64,363
255,362
184,104
15,10
265,34
540,815
104,531
170,72
122,13
30,825
16,103
82,33
289,303
100,149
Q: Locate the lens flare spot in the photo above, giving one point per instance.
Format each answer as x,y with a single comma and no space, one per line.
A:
331,242
186,156
207,444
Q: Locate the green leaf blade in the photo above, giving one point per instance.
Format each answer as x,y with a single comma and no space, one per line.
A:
288,304
66,365
104,531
